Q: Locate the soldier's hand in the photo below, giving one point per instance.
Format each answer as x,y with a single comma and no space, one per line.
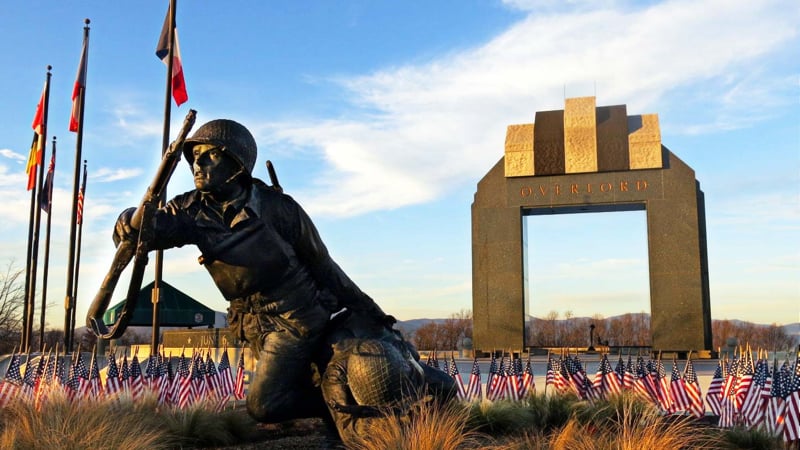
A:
123,231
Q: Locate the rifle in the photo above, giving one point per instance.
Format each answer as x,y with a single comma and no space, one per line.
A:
273,177
137,249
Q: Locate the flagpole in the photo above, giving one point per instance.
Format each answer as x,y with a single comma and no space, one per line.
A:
37,226
46,249
69,301
26,305
81,202
155,296
40,137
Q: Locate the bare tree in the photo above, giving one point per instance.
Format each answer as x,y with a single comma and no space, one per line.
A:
429,337
775,337
454,329
544,332
12,297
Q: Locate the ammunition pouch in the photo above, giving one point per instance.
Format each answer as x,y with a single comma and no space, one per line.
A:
253,317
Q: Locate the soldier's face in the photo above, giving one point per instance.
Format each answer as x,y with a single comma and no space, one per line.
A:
212,168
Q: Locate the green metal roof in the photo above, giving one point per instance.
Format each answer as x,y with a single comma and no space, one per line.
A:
175,309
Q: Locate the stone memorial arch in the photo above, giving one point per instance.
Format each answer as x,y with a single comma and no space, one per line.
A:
589,158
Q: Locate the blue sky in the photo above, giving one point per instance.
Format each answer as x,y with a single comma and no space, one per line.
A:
381,117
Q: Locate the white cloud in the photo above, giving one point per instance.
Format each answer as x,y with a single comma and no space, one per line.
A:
105,175
423,129
11,154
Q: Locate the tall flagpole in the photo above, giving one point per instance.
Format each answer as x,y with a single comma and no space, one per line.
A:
81,202
46,247
155,296
80,86
40,137
35,254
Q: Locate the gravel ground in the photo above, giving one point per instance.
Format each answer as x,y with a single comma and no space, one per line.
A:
293,435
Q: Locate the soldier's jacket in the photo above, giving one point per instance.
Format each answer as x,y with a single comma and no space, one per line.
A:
263,252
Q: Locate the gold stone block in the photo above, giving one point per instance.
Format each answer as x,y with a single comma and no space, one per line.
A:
580,135
519,150
644,142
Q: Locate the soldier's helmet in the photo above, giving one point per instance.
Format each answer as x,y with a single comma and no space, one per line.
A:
378,375
231,136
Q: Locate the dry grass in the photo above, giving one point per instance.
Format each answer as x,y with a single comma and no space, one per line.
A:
627,423
538,423
429,426
64,425
123,424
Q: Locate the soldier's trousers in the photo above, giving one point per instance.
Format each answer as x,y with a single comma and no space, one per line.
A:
283,386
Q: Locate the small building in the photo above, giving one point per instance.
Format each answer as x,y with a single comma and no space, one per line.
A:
175,309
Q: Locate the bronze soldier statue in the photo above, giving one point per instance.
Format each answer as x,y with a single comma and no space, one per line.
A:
267,259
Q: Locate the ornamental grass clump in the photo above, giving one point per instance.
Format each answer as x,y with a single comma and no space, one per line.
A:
751,439
536,413
429,426
626,423
200,426
120,422
63,424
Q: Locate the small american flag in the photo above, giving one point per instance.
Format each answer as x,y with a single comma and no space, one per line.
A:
791,431
714,393
776,408
496,389
225,375
238,389
226,384
511,380
113,382
745,378
752,406
662,386
528,382
693,391
474,390
184,380
677,389
12,381
453,372
198,376
492,373
125,374
212,378
136,380
164,380
606,381
628,377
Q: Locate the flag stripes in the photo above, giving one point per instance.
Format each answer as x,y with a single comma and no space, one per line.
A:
178,83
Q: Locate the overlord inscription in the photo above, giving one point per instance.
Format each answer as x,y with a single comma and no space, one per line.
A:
545,190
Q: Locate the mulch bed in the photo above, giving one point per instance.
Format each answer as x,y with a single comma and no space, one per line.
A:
298,434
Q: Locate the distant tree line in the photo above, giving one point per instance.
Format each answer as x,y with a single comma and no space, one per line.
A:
453,333
626,330
570,331
447,334
634,330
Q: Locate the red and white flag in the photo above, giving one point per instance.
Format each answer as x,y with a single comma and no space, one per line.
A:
79,87
162,52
